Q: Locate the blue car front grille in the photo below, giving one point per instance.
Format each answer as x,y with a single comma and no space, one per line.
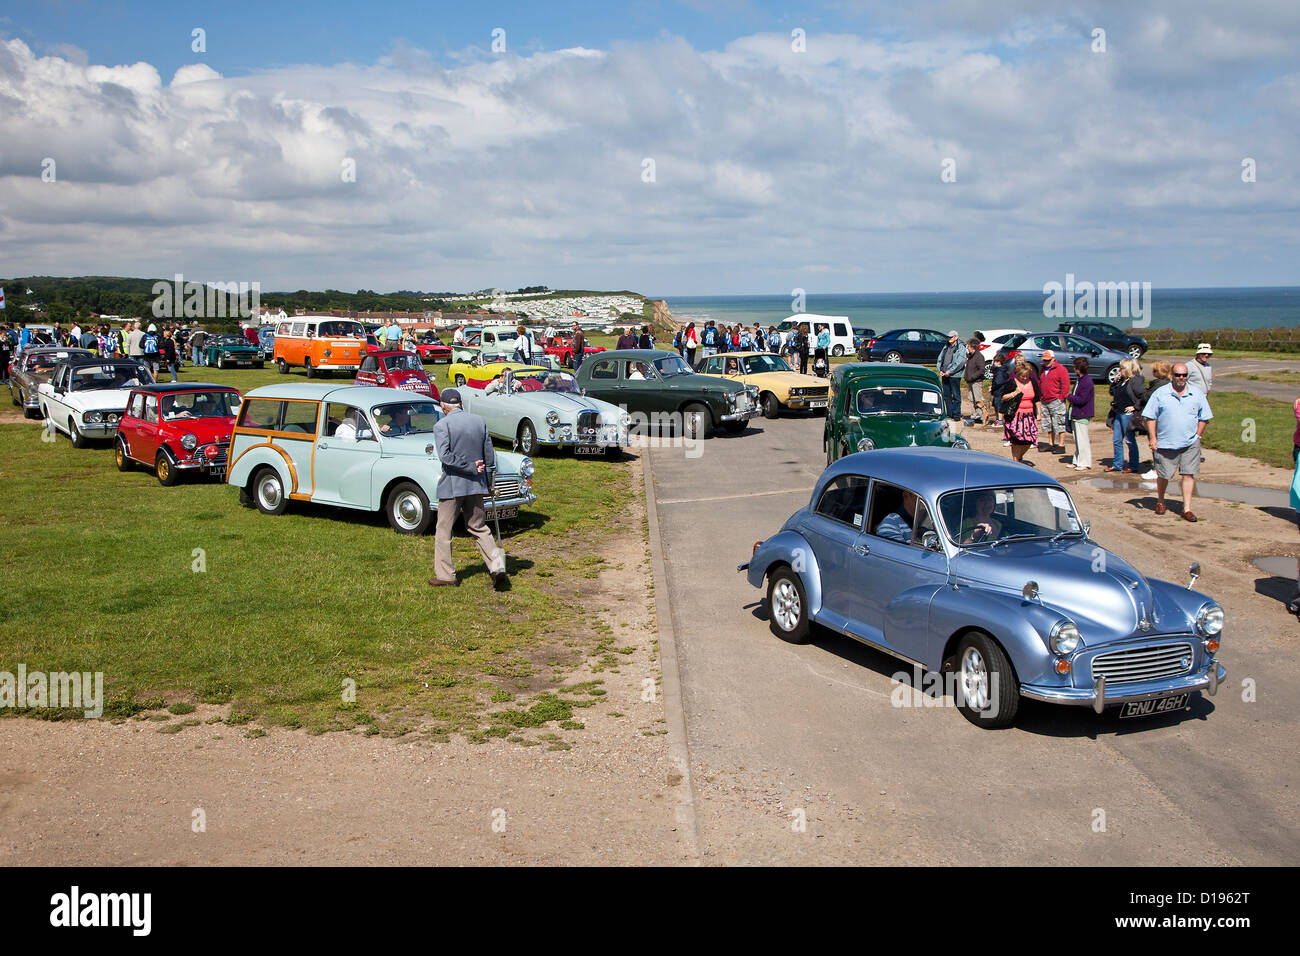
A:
1136,664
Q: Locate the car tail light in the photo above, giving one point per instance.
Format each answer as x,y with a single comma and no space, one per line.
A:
871,343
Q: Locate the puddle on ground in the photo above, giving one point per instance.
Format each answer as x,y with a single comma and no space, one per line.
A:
1260,497
1279,567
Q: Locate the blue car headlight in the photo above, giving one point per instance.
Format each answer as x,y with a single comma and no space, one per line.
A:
1209,619
1064,637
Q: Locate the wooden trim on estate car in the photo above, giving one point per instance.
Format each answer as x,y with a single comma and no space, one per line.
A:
293,472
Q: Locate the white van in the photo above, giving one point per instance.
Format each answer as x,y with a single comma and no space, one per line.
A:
840,327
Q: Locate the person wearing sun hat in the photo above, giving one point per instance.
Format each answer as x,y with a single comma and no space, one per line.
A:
1199,374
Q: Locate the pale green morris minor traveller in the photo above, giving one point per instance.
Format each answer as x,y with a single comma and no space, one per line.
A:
355,447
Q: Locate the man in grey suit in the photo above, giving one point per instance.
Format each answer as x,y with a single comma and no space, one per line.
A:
465,450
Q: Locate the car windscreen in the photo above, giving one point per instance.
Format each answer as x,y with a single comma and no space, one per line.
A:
758,364
233,340
671,365
545,382
88,378
403,363
898,399
406,418
353,329
987,516
187,405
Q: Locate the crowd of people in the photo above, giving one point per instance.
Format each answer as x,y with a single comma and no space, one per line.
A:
158,349
792,344
1171,411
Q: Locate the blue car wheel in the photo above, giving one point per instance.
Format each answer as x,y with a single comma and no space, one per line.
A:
987,688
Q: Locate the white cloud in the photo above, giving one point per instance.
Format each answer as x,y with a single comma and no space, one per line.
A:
519,169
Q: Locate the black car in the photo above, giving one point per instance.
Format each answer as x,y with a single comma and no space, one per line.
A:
915,346
1105,334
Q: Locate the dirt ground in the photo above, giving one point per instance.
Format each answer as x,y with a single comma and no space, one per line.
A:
93,792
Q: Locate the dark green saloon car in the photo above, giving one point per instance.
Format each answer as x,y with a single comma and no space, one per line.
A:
233,351
885,406
658,388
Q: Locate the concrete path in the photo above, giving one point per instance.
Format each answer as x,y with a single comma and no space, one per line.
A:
798,754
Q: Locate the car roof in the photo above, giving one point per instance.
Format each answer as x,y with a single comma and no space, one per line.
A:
386,352
891,332
167,387
932,471
72,350
853,371
639,355
310,391
78,361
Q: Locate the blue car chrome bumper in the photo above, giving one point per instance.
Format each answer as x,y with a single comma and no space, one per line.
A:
1099,696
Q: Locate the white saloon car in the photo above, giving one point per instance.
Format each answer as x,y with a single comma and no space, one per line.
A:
85,398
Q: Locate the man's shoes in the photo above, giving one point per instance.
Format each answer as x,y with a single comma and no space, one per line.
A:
1189,516
1129,471
440,583
500,581
1149,475
1160,508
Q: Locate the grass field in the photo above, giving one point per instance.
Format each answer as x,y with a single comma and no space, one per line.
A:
1220,353
1269,440
181,595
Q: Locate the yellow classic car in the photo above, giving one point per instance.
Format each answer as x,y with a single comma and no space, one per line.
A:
481,369
779,386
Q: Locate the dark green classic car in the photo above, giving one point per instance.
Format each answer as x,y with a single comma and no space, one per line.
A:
232,351
658,388
885,406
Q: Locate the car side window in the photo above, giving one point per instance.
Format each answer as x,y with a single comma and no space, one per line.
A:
151,409
1045,342
300,417
368,364
841,329
1074,344
260,413
844,500
136,409
889,516
605,370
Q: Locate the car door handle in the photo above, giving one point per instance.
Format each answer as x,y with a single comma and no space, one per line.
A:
322,445
861,550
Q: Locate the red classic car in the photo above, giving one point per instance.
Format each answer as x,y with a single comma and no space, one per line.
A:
177,427
395,370
561,346
431,349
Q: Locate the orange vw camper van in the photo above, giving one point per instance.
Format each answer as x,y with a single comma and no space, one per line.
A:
319,343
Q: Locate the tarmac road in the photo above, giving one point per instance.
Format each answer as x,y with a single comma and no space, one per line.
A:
780,735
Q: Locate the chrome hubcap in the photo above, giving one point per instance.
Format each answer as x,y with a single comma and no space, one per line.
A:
269,492
974,679
895,359
785,605
409,511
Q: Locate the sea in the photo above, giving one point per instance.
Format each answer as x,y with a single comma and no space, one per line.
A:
1179,309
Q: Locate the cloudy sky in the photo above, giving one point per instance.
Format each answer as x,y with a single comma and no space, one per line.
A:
672,148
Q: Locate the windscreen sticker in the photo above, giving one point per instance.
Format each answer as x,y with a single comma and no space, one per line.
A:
1059,499
931,397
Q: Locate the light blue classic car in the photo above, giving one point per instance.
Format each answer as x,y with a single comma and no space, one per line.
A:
532,407
353,446
968,564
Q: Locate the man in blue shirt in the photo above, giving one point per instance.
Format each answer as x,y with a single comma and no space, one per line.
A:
898,525
1176,417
